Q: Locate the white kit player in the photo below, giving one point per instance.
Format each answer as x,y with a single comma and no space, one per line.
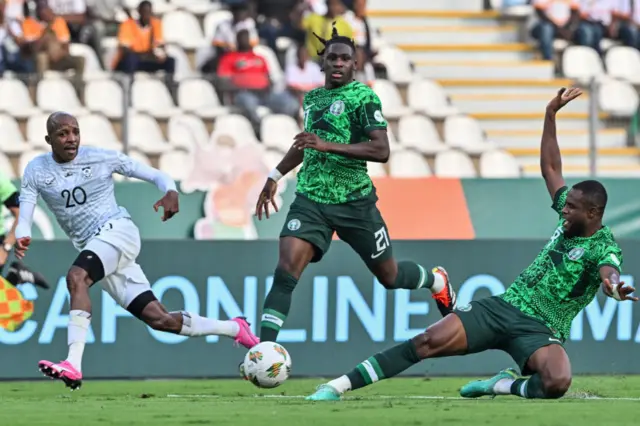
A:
77,186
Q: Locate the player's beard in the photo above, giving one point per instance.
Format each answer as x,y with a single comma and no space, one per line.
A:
576,229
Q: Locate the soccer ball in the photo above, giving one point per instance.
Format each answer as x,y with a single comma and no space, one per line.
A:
267,365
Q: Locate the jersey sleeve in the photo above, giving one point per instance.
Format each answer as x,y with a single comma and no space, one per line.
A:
7,188
121,163
560,199
28,187
370,112
612,256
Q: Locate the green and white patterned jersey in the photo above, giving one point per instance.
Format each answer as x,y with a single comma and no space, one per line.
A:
7,189
342,115
564,278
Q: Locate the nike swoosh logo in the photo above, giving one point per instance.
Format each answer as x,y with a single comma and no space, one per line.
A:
551,339
373,256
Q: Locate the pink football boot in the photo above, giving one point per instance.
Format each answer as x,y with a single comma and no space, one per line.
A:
245,336
63,371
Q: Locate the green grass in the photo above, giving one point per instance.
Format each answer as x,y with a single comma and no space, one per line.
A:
236,402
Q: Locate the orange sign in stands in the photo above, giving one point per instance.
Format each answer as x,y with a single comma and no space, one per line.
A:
424,208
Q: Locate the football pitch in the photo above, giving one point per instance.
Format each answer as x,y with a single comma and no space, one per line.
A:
611,400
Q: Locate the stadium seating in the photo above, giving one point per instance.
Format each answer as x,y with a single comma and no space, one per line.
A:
464,94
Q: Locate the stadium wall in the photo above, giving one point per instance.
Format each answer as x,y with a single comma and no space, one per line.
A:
340,314
415,209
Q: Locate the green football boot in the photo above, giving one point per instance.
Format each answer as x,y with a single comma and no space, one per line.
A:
324,393
479,388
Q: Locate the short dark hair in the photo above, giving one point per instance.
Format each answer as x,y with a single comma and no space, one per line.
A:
335,38
594,192
144,3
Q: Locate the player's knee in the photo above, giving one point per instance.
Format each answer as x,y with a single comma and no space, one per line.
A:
388,279
556,386
77,279
422,343
289,266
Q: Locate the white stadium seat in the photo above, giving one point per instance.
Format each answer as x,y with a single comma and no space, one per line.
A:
183,65
92,68
177,164
397,64
272,158
183,28
623,62
198,97
37,130
197,7
105,97
58,95
151,96
275,70
454,164
419,132
278,131
212,20
15,99
5,167
96,130
26,157
498,164
462,131
11,139
428,97
582,63
376,169
392,107
234,125
145,134
408,164
186,130
617,98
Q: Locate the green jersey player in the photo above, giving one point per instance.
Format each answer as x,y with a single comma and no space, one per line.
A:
343,129
531,320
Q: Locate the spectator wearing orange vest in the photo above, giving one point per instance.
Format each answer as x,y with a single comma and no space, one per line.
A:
141,44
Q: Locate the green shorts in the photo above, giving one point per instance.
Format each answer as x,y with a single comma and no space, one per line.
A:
492,323
357,223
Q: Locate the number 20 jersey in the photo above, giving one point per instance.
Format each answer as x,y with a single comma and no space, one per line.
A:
565,276
80,193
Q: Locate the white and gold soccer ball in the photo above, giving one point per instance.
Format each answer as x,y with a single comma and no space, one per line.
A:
267,365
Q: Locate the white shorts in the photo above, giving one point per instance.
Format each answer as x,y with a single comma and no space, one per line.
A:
118,245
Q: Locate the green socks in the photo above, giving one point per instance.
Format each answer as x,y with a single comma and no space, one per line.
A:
530,388
412,276
276,305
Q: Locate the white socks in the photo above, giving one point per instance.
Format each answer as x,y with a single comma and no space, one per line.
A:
194,325
77,336
438,283
341,384
503,387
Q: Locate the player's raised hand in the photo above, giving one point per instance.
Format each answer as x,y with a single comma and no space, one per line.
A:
309,140
267,197
170,205
22,245
622,292
563,97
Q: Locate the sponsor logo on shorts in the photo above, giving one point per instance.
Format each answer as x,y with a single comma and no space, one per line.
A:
293,225
464,308
576,253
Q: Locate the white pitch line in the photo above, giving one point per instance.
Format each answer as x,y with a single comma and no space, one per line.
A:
379,397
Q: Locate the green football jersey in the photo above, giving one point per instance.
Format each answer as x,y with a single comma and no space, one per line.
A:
342,115
565,276
7,189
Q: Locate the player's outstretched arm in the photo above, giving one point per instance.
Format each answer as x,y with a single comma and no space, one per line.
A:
376,150
613,287
550,158
291,160
23,228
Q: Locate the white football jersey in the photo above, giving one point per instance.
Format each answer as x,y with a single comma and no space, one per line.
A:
79,193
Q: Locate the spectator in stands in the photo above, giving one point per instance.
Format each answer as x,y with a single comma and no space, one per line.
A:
303,75
105,14
12,44
597,14
224,39
49,38
275,20
625,23
322,25
560,19
141,45
246,75
361,37
81,27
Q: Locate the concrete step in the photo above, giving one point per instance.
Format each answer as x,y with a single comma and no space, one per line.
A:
439,5
511,52
531,121
442,18
483,86
514,102
580,156
494,70
407,34
578,138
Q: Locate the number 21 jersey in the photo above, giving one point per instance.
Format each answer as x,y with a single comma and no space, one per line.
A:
80,193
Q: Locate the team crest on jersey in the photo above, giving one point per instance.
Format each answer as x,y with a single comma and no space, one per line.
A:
337,108
575,253
49,180
293,225
87,172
